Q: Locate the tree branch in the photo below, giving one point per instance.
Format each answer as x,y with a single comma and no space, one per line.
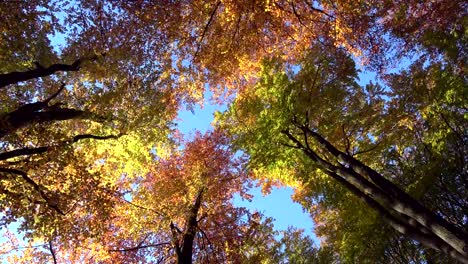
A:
22,152
35,186
16,77
205,236
52,251
46,101
40,150
142,207
139,247
296,14
206,29
367,150
311,6
90,136
40,112
175,239
289,146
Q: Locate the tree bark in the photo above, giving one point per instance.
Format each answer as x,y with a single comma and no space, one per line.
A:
186,250
400,225
40,71
40,112
408,205
39,150
401,211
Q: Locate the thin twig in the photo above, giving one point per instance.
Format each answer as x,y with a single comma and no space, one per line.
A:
52,252
139,247
206,29
46,101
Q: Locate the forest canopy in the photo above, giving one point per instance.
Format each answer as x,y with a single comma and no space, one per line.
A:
94,169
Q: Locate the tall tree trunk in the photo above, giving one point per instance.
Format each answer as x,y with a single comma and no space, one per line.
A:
186,250
402,201
400,210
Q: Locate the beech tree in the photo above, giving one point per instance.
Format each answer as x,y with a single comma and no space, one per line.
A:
181,212
320,122
188,200
57,141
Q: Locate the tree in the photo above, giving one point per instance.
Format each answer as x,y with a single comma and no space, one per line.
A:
290,246
299,126
50,150
190,194
59,119
295,247
180,212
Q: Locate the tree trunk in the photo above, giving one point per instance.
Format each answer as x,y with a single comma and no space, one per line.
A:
400,210
402,202
186,250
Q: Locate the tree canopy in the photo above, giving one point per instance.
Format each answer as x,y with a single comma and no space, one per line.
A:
93,167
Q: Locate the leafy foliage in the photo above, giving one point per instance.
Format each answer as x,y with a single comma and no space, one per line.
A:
267,122
90,162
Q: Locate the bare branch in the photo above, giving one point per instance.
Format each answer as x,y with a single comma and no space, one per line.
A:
46,101
311,6
293,139
296,14
40,150
22,152
142,207
205,236
367,150
90,136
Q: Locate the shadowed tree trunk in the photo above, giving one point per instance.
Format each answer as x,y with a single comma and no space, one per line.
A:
41,71
41,112
184,249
